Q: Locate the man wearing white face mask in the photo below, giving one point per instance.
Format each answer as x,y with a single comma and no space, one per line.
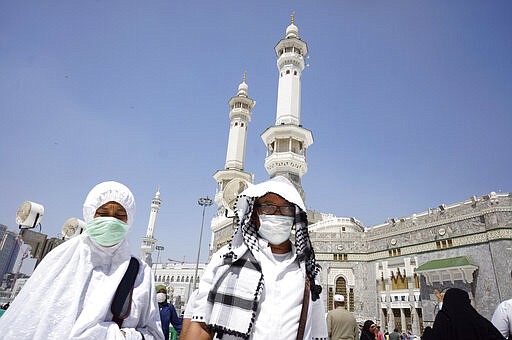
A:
261,286
76,282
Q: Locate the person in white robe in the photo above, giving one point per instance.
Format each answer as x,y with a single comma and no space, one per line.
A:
261,286
70,293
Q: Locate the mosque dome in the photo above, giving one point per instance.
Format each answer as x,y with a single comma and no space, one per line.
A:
292,31
243,88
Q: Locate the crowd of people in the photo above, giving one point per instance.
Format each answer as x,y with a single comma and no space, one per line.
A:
262,285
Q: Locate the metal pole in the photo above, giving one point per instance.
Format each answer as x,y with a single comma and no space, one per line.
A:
204,202
158,248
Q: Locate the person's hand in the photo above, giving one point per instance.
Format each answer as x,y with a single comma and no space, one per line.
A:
438,295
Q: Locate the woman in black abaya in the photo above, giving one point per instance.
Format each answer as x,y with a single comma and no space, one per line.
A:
458,320
368,331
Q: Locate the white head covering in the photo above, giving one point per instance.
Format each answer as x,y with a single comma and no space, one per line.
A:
107,192
279,185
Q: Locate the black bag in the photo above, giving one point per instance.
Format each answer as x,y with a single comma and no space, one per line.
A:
122,302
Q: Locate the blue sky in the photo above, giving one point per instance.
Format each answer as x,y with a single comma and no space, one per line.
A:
408,101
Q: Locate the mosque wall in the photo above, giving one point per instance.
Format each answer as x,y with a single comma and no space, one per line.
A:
479,229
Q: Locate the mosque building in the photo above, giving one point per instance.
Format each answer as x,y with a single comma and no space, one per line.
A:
387,272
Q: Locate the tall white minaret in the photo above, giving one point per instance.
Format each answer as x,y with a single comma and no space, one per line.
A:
239,115
287,141
148,241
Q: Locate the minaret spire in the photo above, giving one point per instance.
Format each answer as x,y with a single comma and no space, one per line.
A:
149,241
287,141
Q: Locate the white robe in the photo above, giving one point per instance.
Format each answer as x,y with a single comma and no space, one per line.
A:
279,311
69,296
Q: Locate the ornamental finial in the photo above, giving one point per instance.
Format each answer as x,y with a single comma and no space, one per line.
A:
293,17
245,76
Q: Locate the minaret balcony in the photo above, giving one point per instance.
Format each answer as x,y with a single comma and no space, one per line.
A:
287,131
286,162
291,58
240,113
291,45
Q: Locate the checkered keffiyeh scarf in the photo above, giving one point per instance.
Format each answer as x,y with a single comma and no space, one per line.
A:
235,295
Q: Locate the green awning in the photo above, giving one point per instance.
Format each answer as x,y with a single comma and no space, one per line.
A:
448,270
460,261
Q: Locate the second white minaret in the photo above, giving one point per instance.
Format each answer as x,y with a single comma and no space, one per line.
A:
239,115
149,241
232,179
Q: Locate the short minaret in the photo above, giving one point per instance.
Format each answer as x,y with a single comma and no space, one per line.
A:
288,141
148,241
233,172
240,115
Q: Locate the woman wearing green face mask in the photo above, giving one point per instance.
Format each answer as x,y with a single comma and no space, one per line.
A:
109,226
76,281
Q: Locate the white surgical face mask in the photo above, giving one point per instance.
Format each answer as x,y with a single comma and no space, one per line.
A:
160,297
276,229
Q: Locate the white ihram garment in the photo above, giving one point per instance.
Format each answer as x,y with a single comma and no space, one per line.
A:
502,318
281,303
69,296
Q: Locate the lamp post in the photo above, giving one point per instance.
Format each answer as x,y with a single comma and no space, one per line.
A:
204,202
158,248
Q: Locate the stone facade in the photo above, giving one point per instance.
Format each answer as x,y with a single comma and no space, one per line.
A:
370,260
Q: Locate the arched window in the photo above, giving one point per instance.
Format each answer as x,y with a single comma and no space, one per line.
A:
287,71
340,288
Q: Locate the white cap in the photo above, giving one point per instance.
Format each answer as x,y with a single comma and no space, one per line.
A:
339,298
106,192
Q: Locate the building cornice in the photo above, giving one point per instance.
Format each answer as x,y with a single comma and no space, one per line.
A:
500,233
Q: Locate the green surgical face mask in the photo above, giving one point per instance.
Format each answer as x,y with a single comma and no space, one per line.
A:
107,231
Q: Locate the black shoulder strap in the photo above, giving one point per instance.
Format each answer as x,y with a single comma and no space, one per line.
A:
122,302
